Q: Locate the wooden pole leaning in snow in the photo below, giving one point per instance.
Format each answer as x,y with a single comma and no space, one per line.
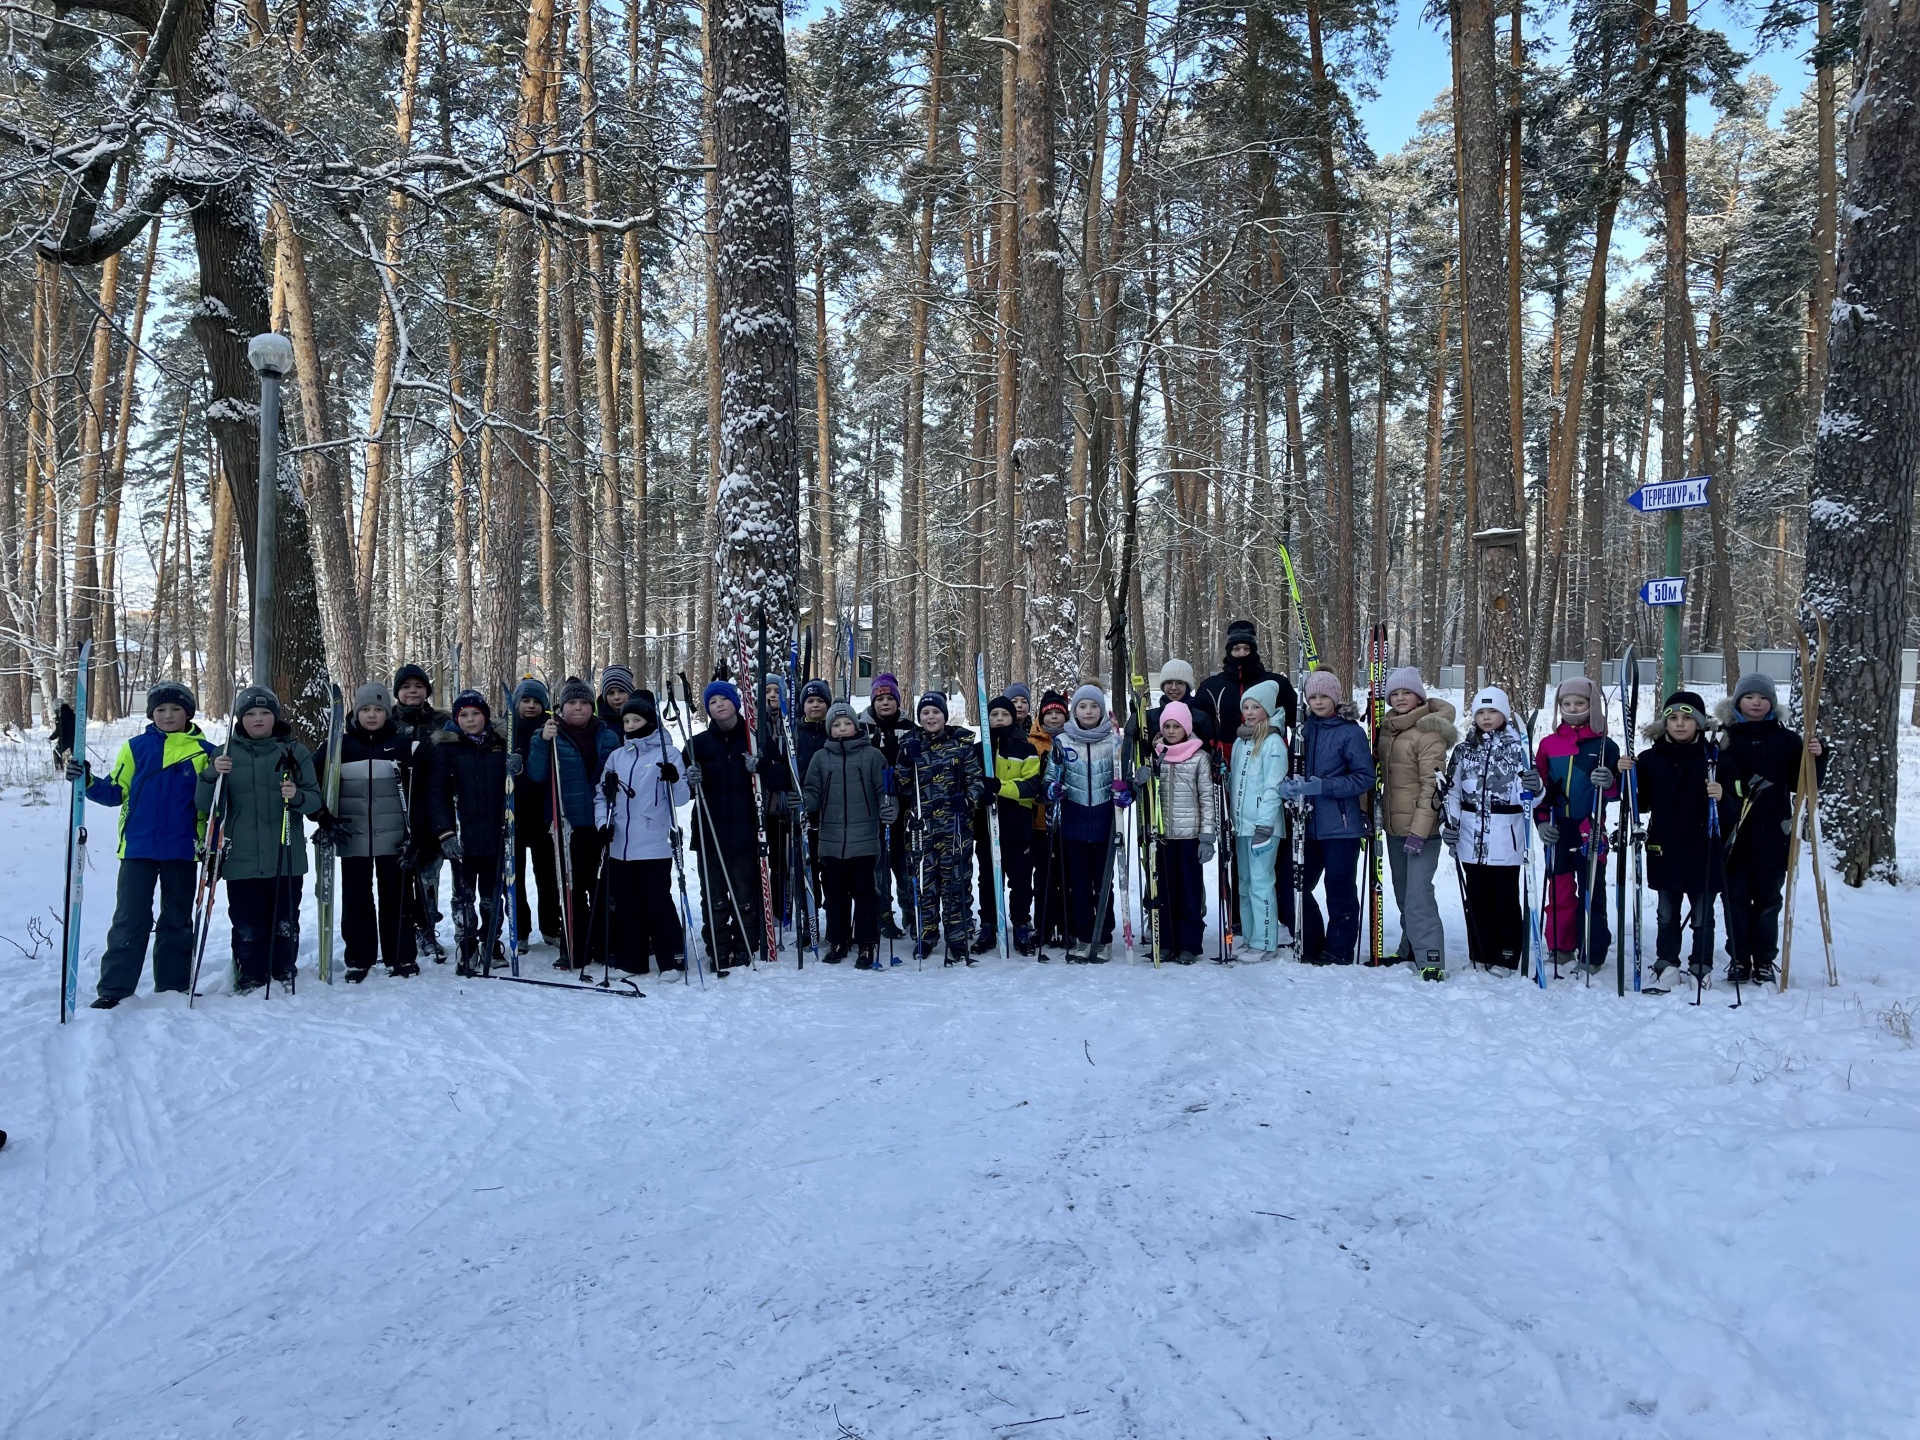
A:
1806,802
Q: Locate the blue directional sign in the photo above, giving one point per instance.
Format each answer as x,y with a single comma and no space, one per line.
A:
1667,590
1687,494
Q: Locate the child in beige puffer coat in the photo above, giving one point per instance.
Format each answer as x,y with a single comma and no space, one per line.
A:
1410,751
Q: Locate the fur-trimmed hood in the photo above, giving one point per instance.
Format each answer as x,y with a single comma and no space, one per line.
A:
1434,717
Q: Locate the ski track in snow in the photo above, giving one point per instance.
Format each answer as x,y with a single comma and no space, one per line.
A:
1261,1201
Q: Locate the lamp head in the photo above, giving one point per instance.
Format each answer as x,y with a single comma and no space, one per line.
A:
270,354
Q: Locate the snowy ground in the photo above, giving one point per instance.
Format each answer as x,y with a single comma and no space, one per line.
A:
1019,1200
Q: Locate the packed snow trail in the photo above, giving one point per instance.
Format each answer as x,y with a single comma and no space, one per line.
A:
1193,1202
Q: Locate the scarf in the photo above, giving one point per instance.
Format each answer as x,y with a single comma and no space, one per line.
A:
1178,754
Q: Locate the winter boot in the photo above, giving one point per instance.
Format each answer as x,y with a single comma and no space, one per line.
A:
105,1002
401,969
1561,959
1764,973
1023,939
355,974
836,953
957,953
1100,955
1701,969
865,962
987,939
890,928
923,949
1740,972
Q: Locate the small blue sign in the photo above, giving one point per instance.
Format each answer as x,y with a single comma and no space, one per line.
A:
1687,494
1667,590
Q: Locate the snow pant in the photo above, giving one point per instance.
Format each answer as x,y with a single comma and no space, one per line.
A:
1182,897
945,876
639,917
1016,863
1666,940
726,882
1752,900
539,845
983,858
1283,884
370,930
1083,863
1049,888
1496,929
1259,894
853,906
126,953
1566,887
1337,863
791,890
476,887
893,876
266,928
584,848
1420,928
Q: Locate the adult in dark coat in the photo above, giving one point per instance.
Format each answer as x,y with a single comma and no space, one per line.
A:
533,839
467,765
1216,717
725,828
415,714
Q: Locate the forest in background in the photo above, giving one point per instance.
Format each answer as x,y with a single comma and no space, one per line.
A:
959,328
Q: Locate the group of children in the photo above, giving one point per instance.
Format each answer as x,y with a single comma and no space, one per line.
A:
858,815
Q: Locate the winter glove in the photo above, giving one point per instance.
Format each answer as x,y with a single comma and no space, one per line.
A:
1053,792
1549,833
1122,794
1262,836
889,809
1450,835
794,806
669,772
610,787
451,847
409,854
78,769
1143,776
1206,848
1531,782
1414,844
752,763
516,763
1602,778
1301,787
605,832
693,776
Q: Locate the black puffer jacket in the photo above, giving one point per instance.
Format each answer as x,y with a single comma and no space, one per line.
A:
1219,697
373,768
467,788
726,786
420,723
1761,750
1670,781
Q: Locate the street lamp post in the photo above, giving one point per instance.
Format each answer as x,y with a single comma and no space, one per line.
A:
271,356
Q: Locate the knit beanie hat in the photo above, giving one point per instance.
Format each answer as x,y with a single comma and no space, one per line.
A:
574,688
816,689
1754,683
532,689
885,681
935,699
1684,699
1177,670
1407,677
1323,682
1266,695
1089,692
1001,702
640,703
412,672
1241,632
1018,691
1177,711
171,692
1052,700
838,709
373,694
614,675
256,697
471,700
1581,685
724,688
1492,698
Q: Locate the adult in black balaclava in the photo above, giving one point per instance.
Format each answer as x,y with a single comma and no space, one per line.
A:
1219,695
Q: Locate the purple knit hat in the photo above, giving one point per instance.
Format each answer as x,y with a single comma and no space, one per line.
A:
884,681
1324,682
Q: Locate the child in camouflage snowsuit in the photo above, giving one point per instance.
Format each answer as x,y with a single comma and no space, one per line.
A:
943,781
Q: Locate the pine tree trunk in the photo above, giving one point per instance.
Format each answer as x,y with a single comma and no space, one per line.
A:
758,559
1052,610
1497,564
1431,648
1860,515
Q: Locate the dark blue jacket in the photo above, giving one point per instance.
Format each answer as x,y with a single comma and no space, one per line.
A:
1335,750
153,780
581,761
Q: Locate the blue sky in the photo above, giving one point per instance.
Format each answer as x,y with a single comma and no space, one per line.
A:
1419,67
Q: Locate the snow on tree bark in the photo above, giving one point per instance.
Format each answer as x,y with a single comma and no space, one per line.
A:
757,561
1052,613
1867,450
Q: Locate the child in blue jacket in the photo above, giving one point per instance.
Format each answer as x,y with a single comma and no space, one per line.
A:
1336,769
153,781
